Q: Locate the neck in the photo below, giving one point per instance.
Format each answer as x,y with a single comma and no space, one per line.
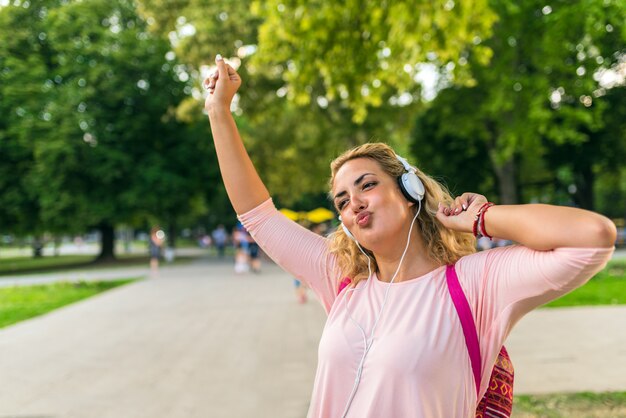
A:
416,261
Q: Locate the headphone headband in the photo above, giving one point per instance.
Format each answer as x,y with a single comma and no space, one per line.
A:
406,164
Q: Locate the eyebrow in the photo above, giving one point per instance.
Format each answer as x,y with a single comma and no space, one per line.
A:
356,183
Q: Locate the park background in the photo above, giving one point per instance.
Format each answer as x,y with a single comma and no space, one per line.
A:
102,125
103,134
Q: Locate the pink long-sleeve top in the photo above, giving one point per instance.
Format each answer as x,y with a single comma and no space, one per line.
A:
418,365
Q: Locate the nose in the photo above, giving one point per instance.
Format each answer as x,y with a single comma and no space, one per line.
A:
357,203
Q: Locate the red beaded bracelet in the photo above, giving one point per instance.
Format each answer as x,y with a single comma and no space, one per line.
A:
479,221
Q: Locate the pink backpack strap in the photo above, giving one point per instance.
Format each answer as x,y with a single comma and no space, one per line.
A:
467,322
343,284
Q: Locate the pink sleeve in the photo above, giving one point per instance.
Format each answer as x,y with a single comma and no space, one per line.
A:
297,250
503,284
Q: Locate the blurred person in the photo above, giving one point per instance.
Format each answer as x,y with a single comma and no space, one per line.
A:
301,295
155,245
392,345
220,238
253,252
240,242
205,241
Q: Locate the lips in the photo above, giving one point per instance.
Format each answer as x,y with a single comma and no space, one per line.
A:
363,218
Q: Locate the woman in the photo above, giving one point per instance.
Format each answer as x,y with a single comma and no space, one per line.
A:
393,345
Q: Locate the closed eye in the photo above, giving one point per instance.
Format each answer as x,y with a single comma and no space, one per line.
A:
369,185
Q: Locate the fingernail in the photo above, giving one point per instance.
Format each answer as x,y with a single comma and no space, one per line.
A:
218,57
464,206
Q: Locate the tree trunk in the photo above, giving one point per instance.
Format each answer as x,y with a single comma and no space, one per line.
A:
37,247
171,235
583,197
507,182
506,172
107,239
57,246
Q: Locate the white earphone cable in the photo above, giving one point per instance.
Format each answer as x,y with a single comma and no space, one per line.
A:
368,344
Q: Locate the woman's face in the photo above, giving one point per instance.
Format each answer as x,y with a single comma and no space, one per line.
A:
370,203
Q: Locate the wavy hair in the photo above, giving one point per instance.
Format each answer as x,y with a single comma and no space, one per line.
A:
444,245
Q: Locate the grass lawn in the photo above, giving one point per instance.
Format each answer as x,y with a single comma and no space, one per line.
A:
574,405
23,302
17,264
608,287
30,265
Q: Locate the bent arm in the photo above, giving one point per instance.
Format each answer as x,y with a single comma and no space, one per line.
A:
244,186
546,227
536,226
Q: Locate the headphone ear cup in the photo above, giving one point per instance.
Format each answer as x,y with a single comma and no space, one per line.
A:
412,187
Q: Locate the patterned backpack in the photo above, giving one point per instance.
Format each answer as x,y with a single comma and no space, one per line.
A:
498,400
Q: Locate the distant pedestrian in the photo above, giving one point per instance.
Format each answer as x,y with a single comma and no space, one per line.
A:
253,252
220,238
155,244
240,241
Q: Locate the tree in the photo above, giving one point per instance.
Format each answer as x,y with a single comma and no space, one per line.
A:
313,71
106,147
24,55
358,52
536,91
450,144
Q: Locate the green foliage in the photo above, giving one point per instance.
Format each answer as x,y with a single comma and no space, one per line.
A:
89,121
312,71
98,127
449,142
21,112
198,30
537,106
21,303
357,52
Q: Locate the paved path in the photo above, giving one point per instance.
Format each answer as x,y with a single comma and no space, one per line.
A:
201,342
92,273
570,350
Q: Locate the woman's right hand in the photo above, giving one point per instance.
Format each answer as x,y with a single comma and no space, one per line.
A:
222,85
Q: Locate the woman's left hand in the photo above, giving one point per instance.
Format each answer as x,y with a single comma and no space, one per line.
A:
460,215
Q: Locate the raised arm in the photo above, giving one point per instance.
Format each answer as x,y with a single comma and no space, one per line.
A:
536,226
243,184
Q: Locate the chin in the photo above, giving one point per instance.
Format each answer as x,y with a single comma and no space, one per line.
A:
372,240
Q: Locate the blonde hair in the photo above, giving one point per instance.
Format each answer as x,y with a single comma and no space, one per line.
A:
444,245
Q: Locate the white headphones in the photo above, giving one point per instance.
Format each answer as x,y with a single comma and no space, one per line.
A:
410,185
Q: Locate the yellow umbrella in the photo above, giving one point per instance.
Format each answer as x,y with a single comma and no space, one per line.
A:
320,215
290,214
